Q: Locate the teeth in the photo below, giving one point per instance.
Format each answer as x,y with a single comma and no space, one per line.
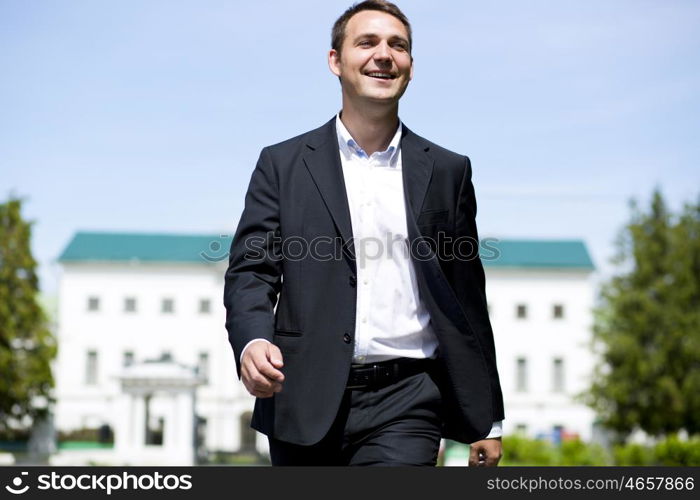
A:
379,75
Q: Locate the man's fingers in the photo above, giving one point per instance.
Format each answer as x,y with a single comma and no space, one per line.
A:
260,377
270,372
269,364
474,456
258,362
485,453
262,387
261,394
275,356
259,371
262,382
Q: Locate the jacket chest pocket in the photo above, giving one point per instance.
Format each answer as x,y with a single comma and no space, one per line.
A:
289,341
433,217
432,223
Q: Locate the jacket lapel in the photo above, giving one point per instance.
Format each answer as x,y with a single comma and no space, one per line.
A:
322,159
417,170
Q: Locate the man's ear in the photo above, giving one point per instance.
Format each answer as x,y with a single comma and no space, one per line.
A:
334,62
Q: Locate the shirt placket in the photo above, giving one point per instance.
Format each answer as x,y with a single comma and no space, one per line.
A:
364,267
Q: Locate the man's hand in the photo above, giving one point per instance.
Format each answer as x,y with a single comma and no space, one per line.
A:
260,369
485,453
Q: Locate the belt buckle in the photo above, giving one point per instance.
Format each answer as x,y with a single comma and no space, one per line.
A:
369,375
362,375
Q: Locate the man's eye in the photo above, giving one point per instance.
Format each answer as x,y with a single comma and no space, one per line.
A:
365,43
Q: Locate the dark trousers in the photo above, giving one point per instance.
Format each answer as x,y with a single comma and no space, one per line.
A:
395,425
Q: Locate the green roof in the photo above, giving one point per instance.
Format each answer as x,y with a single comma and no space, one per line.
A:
146,247
207,248
507,253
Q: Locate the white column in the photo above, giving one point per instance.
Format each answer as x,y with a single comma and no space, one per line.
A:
185,427
123,428
138,425
170,436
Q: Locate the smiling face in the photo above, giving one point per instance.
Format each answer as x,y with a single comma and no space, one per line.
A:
374,64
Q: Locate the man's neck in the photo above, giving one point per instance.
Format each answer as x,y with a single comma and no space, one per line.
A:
372,129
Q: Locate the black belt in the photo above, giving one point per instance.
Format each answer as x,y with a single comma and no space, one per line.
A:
376,375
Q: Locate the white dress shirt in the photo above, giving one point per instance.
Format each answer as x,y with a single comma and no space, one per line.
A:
391,321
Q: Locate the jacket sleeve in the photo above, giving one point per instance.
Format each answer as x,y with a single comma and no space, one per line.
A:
254,275
470,284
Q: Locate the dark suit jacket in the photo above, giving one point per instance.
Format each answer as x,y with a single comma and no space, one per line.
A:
297,196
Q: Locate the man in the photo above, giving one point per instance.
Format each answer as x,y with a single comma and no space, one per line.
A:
380,342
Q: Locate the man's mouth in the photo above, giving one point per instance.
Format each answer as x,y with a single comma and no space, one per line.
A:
381,75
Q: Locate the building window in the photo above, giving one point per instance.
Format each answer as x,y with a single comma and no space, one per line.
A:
558,375
558,311
203,366
128,358
129,304
521,311
204,306
521,375
91,368
93,304
167,306
166,356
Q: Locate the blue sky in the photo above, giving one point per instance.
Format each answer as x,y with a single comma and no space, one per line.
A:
150,115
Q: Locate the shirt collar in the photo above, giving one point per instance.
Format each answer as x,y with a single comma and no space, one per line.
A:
349,147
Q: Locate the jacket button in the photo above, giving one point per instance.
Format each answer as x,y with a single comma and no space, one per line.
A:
353,281
347,338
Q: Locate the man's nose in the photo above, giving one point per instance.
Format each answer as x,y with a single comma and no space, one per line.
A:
382,52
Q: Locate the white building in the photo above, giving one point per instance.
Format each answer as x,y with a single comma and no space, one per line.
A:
128,298
540,296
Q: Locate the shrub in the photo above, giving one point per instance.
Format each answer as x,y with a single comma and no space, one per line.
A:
522,451
576,452
519,450
673,451
670,451
633,454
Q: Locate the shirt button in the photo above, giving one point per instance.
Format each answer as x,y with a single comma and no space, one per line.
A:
364,320
366,282
353,281
347,338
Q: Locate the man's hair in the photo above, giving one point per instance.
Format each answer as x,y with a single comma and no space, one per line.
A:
338,32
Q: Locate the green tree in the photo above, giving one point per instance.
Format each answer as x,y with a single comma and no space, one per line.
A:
26,344
647,326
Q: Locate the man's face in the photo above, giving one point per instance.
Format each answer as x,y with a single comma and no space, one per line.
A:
374,63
